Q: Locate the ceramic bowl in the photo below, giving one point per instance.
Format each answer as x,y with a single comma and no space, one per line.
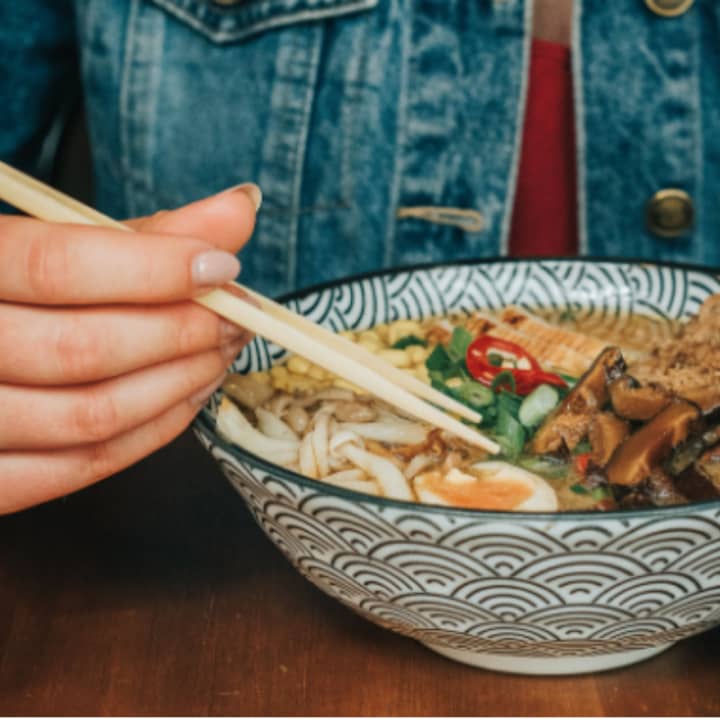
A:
520,592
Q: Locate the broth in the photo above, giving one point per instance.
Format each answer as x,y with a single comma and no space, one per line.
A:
542,382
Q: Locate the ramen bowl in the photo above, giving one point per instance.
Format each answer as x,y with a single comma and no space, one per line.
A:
528,593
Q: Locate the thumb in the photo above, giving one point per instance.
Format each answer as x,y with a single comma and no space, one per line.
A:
225,220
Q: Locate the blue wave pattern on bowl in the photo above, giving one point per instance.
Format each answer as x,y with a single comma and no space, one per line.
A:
592,291
492,588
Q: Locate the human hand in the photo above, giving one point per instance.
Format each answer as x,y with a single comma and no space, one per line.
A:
103,356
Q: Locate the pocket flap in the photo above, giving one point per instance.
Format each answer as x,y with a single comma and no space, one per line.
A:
226,21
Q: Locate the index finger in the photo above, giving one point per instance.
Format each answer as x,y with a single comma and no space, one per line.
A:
55,264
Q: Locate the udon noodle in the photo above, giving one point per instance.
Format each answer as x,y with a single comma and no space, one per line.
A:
585,421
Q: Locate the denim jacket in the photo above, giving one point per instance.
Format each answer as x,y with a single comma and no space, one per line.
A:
382,132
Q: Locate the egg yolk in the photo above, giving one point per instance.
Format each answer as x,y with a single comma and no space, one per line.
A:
479,494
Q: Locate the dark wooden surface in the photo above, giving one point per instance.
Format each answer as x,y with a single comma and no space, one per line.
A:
154,593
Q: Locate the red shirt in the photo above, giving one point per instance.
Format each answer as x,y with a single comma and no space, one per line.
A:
545,212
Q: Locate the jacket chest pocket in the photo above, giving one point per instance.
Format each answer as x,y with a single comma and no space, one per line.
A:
217,92
229,21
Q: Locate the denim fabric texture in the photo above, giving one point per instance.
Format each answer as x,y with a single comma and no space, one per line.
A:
382,132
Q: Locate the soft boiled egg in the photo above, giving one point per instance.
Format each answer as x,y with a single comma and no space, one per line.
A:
492,485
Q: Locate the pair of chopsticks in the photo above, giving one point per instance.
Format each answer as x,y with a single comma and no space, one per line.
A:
271,321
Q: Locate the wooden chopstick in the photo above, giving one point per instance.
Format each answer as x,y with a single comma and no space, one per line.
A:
345,346
272,321
69,210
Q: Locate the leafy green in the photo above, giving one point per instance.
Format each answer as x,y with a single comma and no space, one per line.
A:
459,343
495,359
499,404
544,465
582,448
510,434
579,489
438,359
538,405
474,394
408,341
509,401
571,380
489,415
504,379
600,493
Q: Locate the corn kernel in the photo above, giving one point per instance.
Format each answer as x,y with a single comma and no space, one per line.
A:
279,371
421,373
398,358
339,382
370,336
298,365
371,345
298,383
281,384
347,334
417,354
382,331
401,329
317,373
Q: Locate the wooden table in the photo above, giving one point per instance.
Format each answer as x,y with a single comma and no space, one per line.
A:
154,593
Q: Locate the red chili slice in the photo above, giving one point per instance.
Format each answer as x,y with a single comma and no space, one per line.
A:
581,463
479,365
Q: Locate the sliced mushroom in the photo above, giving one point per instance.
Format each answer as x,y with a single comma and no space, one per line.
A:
569,423
332,393
699,482
694,450
597,480
662,491
605,433
657,490
633,401
247,391
684,456
708,465
354,412
707,397
646,449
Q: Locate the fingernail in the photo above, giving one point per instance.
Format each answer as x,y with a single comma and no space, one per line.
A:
230,331
202,396
251,190
231,350
214,267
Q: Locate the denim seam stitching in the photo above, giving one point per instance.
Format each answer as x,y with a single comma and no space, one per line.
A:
354,89
401,139
310,92
511,187
257,27
699,139
151,101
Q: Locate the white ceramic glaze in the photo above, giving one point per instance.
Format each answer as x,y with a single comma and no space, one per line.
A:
548,666
513,592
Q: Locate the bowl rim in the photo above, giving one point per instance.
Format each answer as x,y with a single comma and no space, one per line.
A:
205,426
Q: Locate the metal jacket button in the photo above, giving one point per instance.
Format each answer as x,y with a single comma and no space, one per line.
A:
669,8
670,213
